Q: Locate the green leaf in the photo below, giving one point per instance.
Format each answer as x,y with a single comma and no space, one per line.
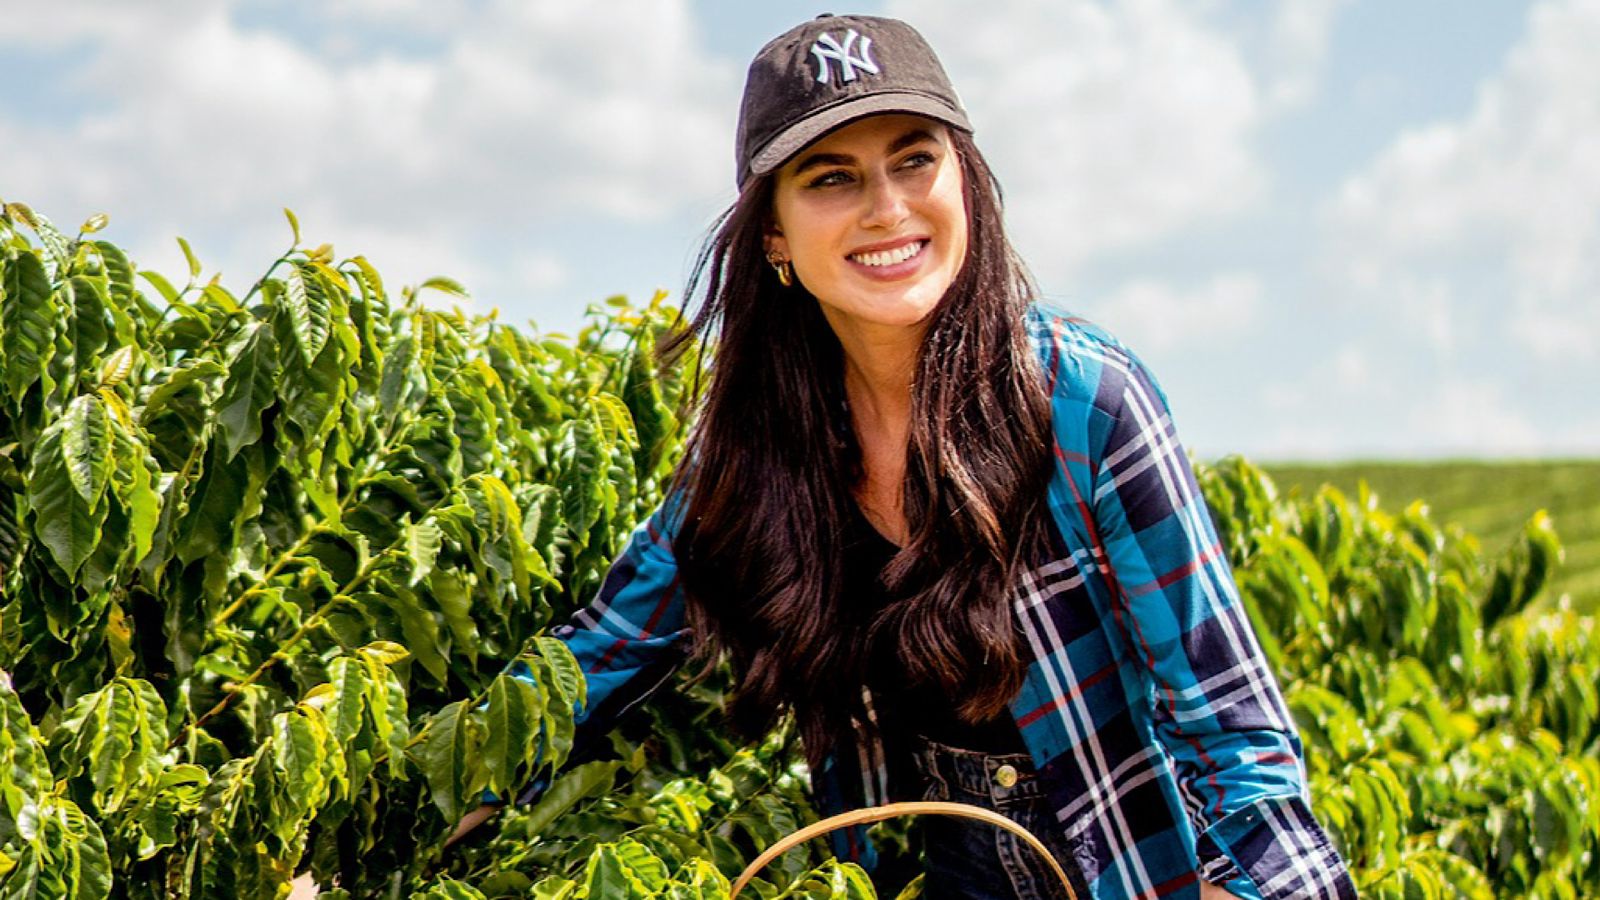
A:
298,745
188,255
135,478
569,680
608,876
157,823
451,592
117,367
399,373
448,889
55,243
219,296
27,323
305,296
161,284
420,629
214,504
119,281
249,389
395,728
642,864
351,691
422,542
79,865
88,331
386,702
583,456
447,285
646,406
699,879
65,521
314,397
116,736
369,274
294,225
86,444
451,762
385,652
591,779
554,887
542,525
188,377
512,719
558,725
24,771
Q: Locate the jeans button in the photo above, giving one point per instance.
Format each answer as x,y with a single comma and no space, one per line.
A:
1006,776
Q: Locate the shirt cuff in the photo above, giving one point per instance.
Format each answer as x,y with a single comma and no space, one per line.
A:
1274,849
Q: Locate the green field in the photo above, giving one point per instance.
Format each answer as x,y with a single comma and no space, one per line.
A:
1490,499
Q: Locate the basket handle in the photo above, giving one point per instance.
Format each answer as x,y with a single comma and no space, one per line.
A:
895,810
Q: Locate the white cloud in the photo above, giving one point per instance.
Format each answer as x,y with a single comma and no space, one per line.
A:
1425,307
1115,124
188,117
1341,408
1475,416
1296,49
1510,193
1155,316
1353,366
1109,124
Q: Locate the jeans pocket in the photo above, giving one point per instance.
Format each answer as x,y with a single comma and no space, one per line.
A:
974,860
1031,876
934,786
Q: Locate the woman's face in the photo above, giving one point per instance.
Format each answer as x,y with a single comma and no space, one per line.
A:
874,220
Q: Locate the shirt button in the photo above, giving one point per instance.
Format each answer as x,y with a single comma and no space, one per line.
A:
1005,776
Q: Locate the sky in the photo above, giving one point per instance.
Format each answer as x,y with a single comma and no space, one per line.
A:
1334,229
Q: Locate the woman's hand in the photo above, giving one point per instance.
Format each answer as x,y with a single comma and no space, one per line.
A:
470,821
1209,891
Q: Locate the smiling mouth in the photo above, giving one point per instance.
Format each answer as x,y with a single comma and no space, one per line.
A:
889,257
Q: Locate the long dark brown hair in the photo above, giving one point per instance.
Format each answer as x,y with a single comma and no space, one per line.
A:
769,469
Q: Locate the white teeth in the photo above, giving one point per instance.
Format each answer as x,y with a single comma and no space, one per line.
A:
889,257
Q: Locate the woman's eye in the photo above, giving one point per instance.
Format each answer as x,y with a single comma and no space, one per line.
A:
918,160
828,179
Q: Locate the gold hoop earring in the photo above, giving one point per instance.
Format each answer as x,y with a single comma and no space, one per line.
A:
781,266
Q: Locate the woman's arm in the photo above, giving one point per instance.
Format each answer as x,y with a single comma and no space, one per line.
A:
1217,708
627,641
470,821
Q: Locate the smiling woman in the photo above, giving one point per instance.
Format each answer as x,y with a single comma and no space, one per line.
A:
947,528
873,218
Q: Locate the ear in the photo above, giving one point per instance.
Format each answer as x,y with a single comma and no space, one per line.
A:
773,241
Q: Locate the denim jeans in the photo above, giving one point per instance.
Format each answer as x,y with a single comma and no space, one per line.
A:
965,859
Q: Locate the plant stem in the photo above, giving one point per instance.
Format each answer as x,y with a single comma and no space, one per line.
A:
315,620
288,555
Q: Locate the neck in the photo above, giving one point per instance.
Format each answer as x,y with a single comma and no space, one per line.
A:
880,365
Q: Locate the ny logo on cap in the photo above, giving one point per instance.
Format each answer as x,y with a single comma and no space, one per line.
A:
827,48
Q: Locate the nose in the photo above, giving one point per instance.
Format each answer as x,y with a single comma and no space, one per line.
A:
886,204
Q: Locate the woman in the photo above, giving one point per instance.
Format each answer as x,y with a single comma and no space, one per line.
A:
949,529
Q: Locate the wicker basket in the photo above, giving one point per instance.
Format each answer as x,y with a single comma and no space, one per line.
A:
892,811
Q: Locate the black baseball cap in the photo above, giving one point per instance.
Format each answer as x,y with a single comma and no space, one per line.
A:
832,70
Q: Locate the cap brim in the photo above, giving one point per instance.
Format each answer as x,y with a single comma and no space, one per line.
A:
797,136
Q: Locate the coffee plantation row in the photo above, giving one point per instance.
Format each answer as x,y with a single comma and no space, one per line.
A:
267,557
1491,499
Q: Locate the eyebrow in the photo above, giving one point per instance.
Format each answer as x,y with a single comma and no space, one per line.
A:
914,136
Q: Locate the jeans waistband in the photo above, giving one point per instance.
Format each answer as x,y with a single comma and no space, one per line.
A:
990,780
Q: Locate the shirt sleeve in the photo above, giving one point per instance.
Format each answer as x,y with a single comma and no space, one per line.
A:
1217,708
628,640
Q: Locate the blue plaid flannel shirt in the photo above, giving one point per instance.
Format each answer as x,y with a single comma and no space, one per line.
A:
1158,729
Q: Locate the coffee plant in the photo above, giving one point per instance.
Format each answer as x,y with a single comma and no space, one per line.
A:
268,561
